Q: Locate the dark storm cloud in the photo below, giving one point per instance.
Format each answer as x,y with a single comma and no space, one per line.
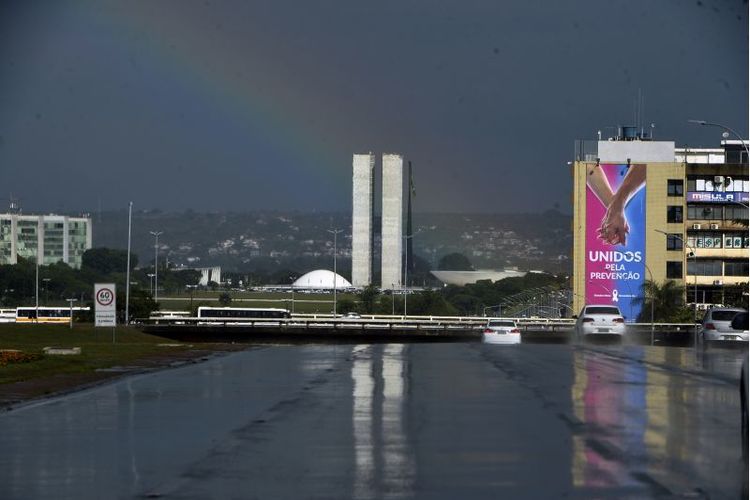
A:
235,105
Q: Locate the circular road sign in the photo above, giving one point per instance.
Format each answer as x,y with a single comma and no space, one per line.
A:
105,296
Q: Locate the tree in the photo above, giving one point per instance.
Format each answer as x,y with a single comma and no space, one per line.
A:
225,299
368,298
105,261
455,262
668,302
345,305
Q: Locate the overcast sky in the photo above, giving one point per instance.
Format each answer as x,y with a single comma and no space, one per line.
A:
246,105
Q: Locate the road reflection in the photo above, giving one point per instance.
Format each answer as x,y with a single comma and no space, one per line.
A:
641,420
384,461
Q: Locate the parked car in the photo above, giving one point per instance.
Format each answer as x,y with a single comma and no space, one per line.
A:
501,331
600,321
717,325
352,315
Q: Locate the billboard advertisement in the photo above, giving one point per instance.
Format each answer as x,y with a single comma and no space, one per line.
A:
616,236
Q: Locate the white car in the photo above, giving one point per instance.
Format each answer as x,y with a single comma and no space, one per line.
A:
600,321
501,331
717,325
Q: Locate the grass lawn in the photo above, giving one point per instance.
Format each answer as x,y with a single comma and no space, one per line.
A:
97,349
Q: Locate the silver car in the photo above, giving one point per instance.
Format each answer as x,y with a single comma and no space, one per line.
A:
717,325
601,321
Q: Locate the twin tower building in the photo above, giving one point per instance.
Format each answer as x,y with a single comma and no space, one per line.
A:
363,211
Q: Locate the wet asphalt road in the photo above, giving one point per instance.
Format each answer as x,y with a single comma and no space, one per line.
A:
393,421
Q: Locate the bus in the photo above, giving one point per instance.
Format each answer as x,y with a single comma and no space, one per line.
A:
7,315
169,314
45,314
236,314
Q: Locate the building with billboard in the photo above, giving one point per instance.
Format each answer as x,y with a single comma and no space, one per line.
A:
362,218
393,221
644,209
47,238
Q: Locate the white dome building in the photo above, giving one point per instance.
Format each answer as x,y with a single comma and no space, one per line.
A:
321,279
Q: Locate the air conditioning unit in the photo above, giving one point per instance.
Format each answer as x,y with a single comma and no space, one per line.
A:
718,282
719,180
714,226
696,226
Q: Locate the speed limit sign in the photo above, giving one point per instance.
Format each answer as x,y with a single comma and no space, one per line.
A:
105,304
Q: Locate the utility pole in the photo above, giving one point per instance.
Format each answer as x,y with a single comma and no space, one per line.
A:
335,233
156,264
127,272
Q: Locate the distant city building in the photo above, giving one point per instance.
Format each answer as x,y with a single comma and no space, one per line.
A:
362,218
461,278
321,279
209,275
47,238
645,210
393,221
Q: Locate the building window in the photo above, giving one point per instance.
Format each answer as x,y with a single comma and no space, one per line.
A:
736,268
708,267
735,212
674,270
675,187
704,212
674,242
674,214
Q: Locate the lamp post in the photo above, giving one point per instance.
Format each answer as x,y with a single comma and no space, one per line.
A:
335,233
292,279
156,264
724,127
695,283
71,310
651,278
127,269
406,237
151,282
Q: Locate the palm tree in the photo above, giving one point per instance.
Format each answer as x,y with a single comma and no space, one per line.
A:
668,301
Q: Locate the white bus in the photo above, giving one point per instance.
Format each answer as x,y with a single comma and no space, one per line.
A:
7,315
46,314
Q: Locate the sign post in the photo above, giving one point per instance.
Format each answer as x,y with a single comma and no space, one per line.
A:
105,306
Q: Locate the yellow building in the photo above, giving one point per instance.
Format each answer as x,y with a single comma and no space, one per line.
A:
683,216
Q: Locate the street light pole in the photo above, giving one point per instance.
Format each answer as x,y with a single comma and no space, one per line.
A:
724,127
127,271
651,278
156,264
71,310
335,233
695,283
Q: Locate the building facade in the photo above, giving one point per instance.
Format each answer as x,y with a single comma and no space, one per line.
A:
363,166
393,221
47,238
645,210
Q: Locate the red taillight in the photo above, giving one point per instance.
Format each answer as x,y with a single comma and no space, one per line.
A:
619,320
515,330
587,320
489,330
709,326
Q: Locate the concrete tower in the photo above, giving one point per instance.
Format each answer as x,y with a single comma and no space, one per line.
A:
393,220
362,215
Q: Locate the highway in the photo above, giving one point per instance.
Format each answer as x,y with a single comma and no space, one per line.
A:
435,420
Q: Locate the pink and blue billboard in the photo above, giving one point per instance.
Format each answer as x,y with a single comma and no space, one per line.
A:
616,236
